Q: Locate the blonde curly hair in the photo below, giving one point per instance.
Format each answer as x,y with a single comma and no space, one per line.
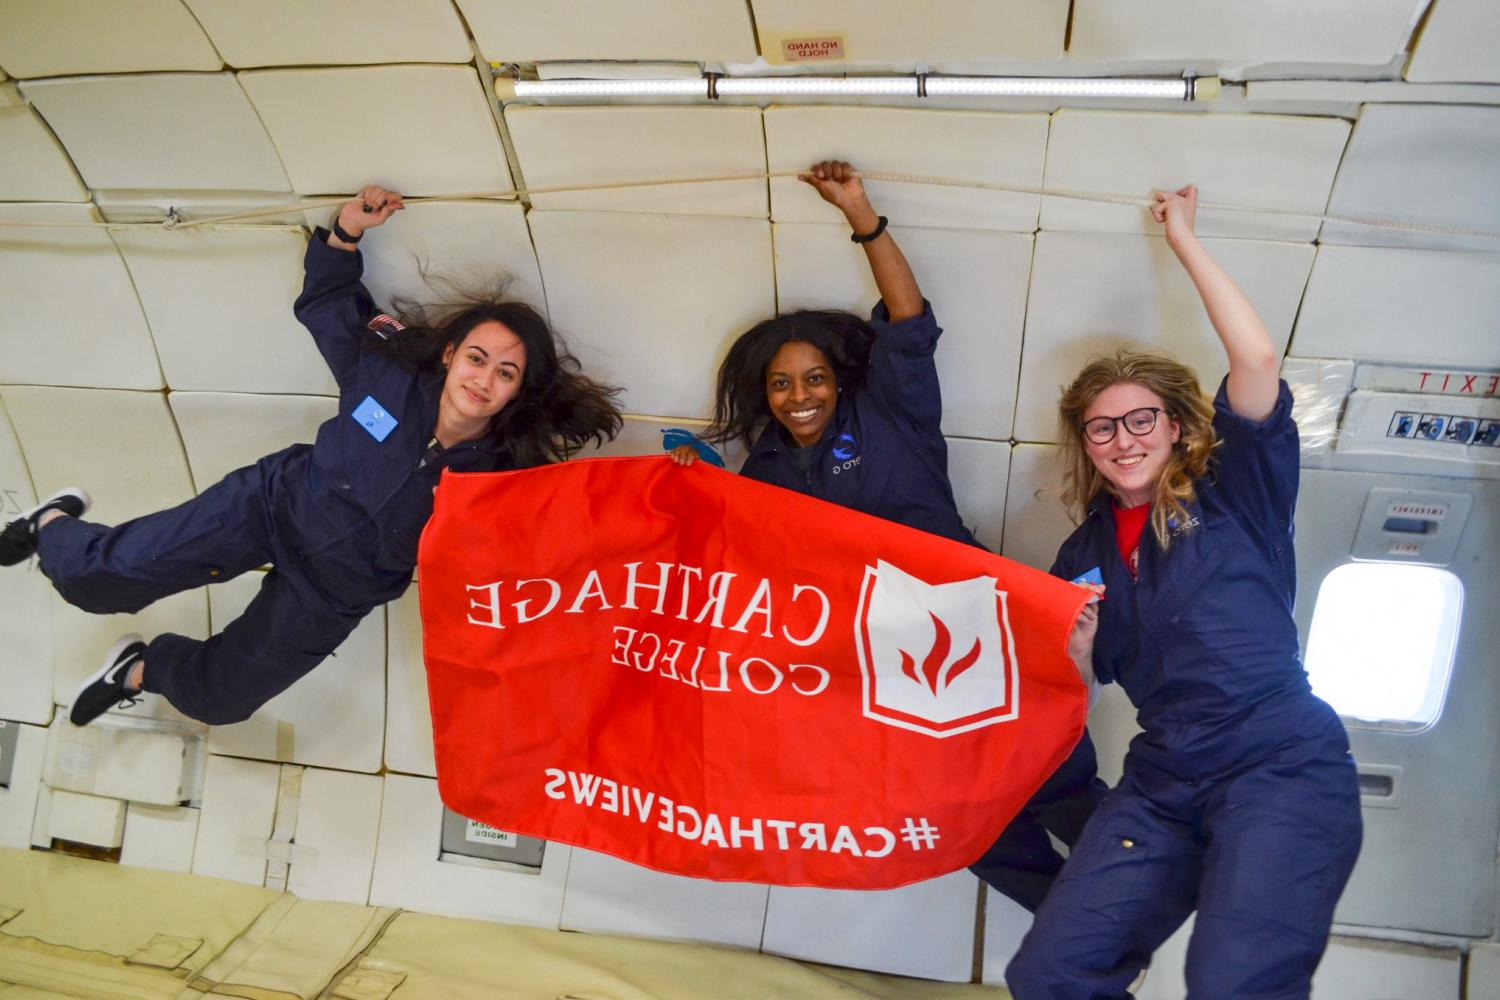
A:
1183,401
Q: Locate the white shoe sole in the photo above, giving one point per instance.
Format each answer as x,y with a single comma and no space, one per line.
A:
71,491
114,654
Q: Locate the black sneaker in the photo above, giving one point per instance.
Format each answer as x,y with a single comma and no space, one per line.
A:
106,689
18,540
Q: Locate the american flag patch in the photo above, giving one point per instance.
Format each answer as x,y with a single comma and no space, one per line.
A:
383,326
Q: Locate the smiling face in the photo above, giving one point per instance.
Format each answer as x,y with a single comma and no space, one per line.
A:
484,374
801,390
1131,463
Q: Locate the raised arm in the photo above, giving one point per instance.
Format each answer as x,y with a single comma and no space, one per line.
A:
836,181
1254,367
366,210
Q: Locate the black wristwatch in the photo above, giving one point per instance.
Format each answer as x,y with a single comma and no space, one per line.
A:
344,237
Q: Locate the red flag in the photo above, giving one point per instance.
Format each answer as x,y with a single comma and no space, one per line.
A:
715,677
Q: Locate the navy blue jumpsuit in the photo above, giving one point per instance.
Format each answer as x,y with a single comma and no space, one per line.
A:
1240,798
339,519
883,453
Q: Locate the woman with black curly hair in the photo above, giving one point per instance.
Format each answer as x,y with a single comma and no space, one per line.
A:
851,412
480,385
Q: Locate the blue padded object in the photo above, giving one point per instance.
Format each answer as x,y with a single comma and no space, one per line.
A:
374,418
671,437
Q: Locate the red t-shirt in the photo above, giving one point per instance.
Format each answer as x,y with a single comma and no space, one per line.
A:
1129,523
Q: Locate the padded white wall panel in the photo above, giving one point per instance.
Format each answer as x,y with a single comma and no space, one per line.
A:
120,135
976,283
57,37
978,471
160,837
475,243
583,146
1036,522
652,302
239,809
86,819
408,873
1092,293
1272,162
1420,163
68,311
25,604
220,307
321,32
408,716
18,800
338,816
1457,44
226,431
1005,924
691,30
1370,32
414,129
896,31
332,717
925,929
33,165
605,895
1483,980
1426,307
987,147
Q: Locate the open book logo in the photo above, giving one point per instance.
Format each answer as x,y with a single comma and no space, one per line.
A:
935,658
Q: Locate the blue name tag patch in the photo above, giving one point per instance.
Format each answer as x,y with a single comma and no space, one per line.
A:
373,417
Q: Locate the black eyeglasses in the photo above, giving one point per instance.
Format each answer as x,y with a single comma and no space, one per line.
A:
1101,430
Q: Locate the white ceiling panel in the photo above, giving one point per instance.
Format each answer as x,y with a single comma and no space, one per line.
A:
338,815
652,302
121,447
56,37
1420,163
50,334
408,715
984,147
33,165
433,132
238,813
1429,307
691,30
605,895
297,726
220,307
978,471
223,431
898,31
976,282
1261,161
1093,293
583,146
25,604
1036,522
1457,44
18,798
163,131
1369,32
333,32
471,244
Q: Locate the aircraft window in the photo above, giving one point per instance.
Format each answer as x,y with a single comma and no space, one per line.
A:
1381,646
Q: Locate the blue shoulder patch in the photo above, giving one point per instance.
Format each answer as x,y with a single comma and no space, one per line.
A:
373,417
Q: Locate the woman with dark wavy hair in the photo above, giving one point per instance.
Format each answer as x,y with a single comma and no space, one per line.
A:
477,385
1239,798
850,411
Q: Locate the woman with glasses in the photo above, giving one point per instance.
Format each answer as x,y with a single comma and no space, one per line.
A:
1239,800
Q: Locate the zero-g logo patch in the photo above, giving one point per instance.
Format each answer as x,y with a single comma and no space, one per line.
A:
373,417
936,659
845,453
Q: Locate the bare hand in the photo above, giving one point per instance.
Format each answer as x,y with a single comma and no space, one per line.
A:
368,209
1178,211
838,184
683,454
1081,638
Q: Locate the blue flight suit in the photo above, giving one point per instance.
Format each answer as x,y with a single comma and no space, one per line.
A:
339,519
1239,799
883,453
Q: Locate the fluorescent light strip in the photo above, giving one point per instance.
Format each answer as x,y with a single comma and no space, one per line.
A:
881,86
987,86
